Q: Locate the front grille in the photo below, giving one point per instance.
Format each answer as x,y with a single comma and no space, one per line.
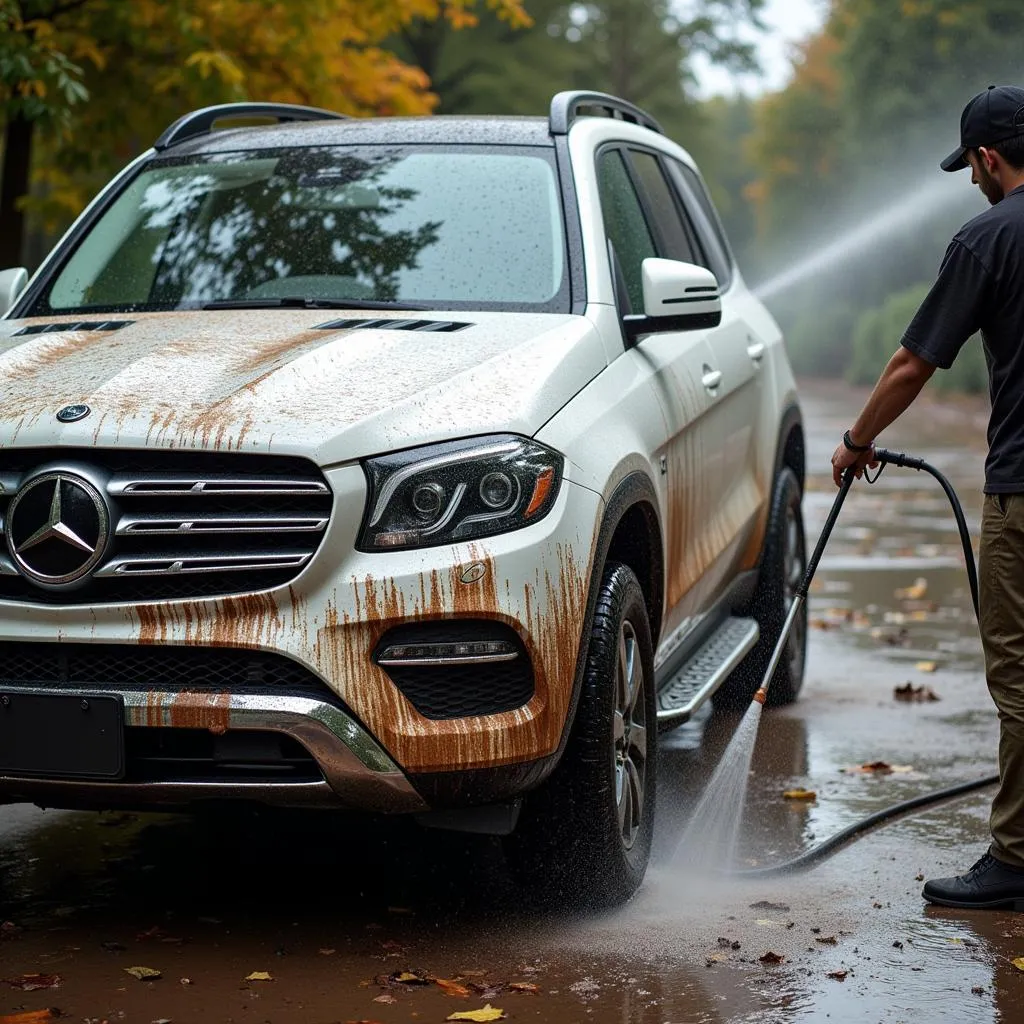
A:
183,524
461,691
167,668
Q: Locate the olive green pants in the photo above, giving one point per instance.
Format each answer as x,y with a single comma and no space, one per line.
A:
1002,632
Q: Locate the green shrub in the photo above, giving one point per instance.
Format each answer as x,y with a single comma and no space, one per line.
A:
818,342
879,331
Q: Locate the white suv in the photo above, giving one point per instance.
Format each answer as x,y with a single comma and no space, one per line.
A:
403,465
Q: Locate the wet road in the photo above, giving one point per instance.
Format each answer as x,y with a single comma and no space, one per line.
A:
331,910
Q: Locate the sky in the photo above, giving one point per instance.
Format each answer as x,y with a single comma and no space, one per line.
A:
786,22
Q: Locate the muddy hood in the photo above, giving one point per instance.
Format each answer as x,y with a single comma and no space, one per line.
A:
270,380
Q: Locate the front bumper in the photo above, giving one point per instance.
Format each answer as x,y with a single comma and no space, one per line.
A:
330,621
356,773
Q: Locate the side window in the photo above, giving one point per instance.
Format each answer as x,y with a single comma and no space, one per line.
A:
696,197
677,242
624,223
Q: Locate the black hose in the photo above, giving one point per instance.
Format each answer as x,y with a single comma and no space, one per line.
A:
835,843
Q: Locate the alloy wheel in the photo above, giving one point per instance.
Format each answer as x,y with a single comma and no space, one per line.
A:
630,735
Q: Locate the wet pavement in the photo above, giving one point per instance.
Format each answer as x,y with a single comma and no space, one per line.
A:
335,910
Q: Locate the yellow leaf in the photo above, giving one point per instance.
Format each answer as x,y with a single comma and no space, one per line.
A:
143,973
1018,963
800,794
926,666
259,976
487,1013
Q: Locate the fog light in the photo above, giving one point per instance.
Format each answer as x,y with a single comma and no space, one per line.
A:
479,652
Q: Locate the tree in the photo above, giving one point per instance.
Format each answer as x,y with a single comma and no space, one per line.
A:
638,49
38,85
143,63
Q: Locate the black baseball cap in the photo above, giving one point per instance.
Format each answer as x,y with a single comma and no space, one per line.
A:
993,116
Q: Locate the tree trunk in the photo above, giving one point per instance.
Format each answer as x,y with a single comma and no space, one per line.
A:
14,185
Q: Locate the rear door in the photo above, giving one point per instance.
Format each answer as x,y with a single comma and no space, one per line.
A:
739,355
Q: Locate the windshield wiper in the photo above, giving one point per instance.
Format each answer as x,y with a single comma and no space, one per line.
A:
297,302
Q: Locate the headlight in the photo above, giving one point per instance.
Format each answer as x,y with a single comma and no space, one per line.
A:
459,491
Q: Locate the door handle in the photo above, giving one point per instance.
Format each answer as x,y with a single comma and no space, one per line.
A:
756,351
711,379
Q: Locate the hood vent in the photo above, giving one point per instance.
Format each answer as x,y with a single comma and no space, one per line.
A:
74,325
447,326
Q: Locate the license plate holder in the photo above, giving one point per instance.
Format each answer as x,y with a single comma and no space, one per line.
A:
61,736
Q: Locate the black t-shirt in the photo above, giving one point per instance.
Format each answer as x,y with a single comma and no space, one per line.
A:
981,288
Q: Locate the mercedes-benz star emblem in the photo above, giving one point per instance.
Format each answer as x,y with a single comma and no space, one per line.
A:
57,529
71,413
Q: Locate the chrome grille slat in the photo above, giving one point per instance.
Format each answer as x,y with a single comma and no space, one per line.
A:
173,565
157,525
186,524
188,486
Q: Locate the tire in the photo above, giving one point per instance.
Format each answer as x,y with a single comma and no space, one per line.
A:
584,837
782,569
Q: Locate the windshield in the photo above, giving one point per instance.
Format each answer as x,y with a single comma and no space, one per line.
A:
472,228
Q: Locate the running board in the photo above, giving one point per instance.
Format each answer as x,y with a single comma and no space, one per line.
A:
696,681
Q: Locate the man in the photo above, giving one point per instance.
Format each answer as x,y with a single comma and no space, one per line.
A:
980,287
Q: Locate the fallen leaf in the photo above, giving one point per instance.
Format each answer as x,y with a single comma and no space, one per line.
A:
771,958
915,694
879,768
800,794
827,940
1019,963
30,1017
914,593
259,976
978,990
409,978
927,666
766,905
385,998
34,982
524,986
838,975
452,988
488,1013
143,973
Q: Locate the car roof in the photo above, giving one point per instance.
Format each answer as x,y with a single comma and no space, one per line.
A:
375,131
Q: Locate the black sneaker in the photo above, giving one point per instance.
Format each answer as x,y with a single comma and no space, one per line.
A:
989,885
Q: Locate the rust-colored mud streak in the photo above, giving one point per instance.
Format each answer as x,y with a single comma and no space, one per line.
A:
550,614
211,711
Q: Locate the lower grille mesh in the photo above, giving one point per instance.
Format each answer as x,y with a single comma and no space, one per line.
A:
167,668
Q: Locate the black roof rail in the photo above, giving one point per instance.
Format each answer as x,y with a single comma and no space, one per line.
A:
567,106
201,122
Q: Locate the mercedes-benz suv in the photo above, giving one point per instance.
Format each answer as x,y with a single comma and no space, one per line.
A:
401,465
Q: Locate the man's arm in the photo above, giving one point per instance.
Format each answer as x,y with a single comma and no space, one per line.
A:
901,382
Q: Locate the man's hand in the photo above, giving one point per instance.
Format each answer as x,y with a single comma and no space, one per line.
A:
843,459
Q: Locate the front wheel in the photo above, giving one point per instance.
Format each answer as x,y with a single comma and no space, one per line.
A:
585,835
782,570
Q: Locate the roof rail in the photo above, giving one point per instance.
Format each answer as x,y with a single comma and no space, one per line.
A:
201,122
567,106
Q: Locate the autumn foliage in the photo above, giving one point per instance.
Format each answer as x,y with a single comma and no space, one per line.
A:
89,83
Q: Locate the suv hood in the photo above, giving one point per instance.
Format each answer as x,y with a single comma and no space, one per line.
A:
270,380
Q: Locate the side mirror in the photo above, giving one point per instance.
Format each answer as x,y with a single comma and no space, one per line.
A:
12,284
677,297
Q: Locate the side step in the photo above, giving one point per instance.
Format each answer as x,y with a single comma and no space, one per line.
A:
696,681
